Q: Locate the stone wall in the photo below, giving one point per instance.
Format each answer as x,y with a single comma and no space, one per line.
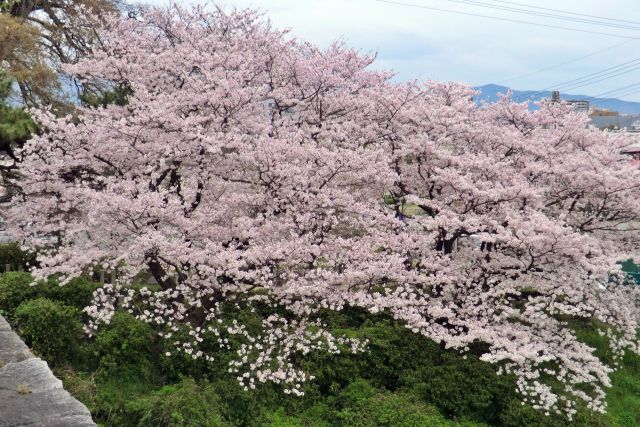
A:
30,395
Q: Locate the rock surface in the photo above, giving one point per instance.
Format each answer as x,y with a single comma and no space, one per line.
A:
30,395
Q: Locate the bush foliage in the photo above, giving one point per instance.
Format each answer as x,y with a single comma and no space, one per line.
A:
19,287
127,377
52,330
16,258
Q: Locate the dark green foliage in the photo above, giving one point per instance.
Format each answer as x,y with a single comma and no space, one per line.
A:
183,404
77,293
117,96
518,415
113,401
15,288
391,410
11,254
364,406
125,348
398,359
463,388
121,368
117,400
126,378
243,408
16,125
51,329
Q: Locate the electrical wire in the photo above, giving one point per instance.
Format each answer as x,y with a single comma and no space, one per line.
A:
588,79
599,78
518,21
622,95
553,67
548,15
565,12
619,90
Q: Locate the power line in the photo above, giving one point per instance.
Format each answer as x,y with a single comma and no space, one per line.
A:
547,15
614,67
619,92
622,95
566,12
605,76
607,98
593,77
566,62
588,79
518,21
623,89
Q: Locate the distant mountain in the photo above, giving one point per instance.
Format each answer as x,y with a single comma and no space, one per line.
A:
490,93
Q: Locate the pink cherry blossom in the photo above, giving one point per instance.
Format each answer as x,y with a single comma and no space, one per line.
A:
252,168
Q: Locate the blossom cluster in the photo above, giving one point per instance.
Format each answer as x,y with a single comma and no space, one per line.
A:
269,357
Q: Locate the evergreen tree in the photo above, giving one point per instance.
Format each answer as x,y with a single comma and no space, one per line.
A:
38,37
16,127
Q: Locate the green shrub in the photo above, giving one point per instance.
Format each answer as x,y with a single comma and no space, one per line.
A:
77,293
126,347
518,415
117,398
391,410
399,360
51,329
246,408
11,254
464,388
183,404
279,418
320,414
123,360
365,406
81,385
404,379
16,288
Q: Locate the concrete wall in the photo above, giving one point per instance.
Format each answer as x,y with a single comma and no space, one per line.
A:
30,395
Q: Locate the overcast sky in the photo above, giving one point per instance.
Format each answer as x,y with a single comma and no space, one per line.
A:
429,44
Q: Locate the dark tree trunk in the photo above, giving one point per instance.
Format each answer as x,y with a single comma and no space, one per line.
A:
159,274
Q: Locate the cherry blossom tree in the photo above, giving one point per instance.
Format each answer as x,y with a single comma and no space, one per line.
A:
252,169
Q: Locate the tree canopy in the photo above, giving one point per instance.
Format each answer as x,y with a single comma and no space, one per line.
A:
249,168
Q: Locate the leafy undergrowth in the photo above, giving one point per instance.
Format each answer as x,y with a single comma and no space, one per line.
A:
125,377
